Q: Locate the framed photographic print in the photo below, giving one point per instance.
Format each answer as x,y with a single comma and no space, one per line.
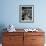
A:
26,13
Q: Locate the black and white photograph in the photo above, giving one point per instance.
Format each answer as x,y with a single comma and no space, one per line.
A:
26,13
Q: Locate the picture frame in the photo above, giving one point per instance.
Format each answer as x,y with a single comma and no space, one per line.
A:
26,13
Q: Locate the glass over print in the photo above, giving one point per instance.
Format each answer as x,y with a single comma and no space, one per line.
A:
26,13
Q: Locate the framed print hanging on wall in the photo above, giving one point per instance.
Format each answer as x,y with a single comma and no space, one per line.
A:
26,13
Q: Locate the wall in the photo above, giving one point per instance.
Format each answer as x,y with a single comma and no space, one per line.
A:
9,13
